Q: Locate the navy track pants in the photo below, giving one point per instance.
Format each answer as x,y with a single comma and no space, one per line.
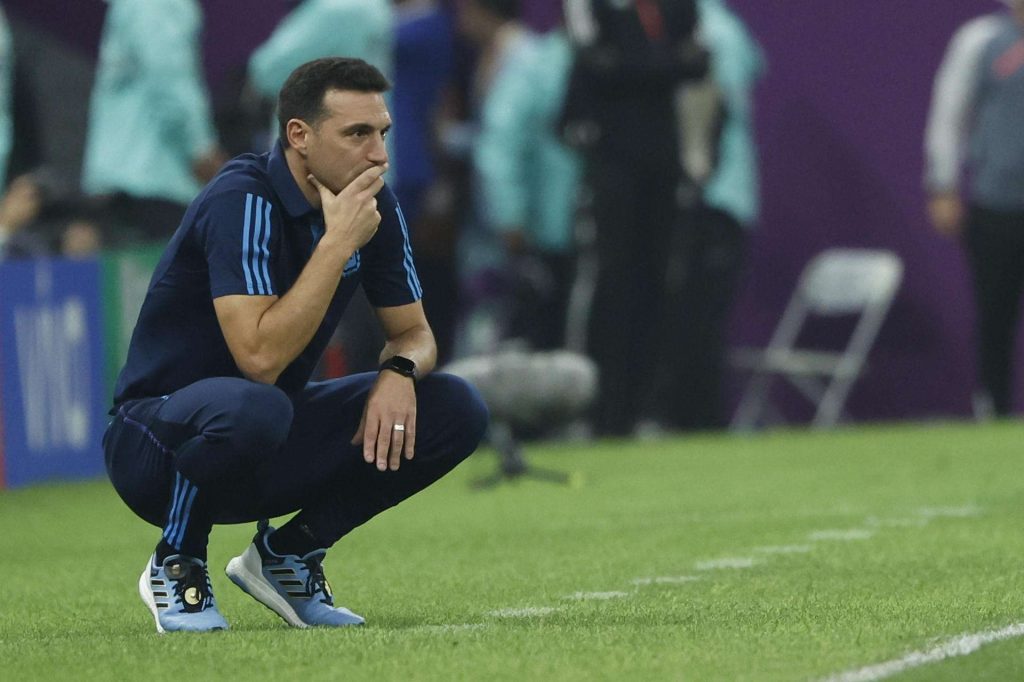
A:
228,450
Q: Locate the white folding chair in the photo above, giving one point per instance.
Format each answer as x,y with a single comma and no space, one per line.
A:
837,282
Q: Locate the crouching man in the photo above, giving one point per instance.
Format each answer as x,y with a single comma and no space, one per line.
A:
215,420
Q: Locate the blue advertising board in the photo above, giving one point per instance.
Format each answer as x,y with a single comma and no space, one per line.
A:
54,398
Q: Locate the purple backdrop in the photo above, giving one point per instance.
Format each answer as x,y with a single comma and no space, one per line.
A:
840,121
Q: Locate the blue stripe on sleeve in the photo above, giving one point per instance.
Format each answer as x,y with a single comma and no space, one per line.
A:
257,233
245,243
410,270
265,252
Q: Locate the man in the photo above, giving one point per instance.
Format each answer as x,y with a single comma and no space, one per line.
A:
712,241
977,105
150,142
631,58
215,421
332,28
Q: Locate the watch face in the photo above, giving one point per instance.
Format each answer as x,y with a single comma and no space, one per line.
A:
402,365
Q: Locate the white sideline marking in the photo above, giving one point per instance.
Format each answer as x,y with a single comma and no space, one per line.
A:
666,580
843,535
733,562
581,596
957,646
524,612
450,628
784,549
918,522
950,512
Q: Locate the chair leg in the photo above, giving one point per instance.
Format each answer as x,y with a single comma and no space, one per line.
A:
748,413
831,406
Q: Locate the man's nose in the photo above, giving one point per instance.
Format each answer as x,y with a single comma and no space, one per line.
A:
378,151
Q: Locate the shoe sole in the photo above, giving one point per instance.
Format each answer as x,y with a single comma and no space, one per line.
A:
246,571
147,597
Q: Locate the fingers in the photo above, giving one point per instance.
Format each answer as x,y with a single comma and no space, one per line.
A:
316,183
395,447
370,434
368,179
383,446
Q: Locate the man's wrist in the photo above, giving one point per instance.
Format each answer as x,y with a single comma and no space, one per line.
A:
400,365
337,246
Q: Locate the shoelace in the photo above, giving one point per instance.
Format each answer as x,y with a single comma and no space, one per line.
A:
316,581
195,576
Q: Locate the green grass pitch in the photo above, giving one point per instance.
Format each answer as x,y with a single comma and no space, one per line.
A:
787,556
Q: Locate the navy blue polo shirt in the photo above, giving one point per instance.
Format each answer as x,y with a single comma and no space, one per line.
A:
250,232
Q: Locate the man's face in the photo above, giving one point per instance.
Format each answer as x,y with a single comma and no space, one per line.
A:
349,139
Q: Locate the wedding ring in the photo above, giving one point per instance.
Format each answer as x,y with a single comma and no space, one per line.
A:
398,427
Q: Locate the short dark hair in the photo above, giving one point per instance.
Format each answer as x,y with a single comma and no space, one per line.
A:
302,95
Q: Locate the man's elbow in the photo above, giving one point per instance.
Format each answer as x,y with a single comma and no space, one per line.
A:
259,368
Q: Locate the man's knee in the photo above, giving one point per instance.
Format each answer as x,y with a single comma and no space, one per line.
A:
262,416
248,416
466,411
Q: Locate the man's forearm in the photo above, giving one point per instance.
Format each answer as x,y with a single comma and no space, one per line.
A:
287,327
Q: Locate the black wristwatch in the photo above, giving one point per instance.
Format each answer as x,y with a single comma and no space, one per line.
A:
403,366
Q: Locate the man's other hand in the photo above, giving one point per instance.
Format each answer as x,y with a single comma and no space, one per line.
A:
391,404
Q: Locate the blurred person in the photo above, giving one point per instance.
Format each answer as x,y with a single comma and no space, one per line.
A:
976,112
713,233
423,68
215,421
527,179
150,142
20,206
631,58
323,28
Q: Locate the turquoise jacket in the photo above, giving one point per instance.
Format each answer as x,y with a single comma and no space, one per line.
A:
528,179
323,28
737,63
150,114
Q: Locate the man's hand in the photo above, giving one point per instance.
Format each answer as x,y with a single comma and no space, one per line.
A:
946,211
351,215
391,403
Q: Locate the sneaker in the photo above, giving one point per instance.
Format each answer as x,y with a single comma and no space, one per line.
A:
179,595
291,586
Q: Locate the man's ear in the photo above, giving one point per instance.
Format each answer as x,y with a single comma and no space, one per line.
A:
297,132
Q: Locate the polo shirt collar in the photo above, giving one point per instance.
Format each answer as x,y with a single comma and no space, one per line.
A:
295,202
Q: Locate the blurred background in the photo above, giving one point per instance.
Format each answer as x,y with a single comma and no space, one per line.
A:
651,208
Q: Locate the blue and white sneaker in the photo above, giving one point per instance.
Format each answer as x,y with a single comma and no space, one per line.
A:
179,595
291,586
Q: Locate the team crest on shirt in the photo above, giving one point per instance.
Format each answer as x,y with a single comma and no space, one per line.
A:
352,265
